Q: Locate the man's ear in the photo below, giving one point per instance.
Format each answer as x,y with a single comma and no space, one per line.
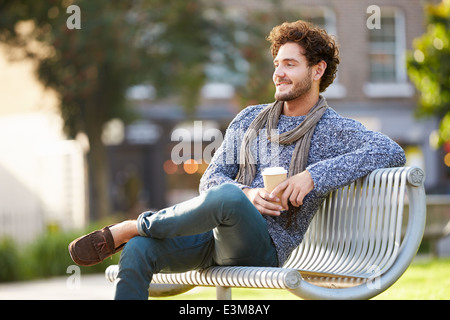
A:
319,70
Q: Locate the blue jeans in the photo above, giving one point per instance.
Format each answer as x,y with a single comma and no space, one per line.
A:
219,227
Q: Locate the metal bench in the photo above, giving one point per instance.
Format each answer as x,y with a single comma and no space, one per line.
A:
354,247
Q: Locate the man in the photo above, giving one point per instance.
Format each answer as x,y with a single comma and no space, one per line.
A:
234,221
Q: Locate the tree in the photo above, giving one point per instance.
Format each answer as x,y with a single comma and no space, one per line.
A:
428,67
119,44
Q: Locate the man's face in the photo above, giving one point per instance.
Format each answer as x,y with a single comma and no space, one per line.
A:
292,76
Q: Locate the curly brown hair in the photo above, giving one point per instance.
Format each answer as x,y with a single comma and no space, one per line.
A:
315,41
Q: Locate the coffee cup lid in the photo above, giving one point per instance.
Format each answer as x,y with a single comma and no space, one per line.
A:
274,170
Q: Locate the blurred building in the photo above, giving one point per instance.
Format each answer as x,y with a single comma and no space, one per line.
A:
42,174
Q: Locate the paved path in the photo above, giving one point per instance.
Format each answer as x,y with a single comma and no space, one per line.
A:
90,287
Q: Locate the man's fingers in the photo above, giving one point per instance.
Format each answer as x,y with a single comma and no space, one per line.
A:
296,200
269,209
279,188
266,204
285,197
267,196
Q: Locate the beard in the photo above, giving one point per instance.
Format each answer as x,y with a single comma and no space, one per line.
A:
298,90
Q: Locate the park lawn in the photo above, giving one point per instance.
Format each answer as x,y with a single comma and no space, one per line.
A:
423,280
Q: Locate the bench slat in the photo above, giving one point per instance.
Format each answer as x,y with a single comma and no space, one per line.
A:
243,277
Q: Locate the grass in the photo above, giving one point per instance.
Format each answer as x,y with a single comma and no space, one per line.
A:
423,280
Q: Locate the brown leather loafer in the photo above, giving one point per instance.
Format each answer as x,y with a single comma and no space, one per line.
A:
93,248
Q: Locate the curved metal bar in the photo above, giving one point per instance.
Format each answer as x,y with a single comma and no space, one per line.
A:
408,249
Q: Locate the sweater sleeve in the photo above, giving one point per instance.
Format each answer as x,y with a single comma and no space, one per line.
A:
352,152
224,164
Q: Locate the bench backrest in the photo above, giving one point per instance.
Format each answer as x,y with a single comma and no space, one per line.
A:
357,230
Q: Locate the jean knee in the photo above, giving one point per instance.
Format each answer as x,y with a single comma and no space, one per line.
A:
137,247
140,255
228,194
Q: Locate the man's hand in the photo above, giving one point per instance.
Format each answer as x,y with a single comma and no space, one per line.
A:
263,201
294,189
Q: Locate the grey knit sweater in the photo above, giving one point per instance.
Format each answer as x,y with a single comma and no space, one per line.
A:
342,150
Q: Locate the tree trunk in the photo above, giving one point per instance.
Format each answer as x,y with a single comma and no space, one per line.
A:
98,167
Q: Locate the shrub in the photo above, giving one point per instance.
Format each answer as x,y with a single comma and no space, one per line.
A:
47,256
9,261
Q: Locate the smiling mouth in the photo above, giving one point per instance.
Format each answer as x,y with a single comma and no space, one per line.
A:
282,83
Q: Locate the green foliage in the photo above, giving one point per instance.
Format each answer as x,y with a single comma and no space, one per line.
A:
428,66
47,256
183,38
9,261
121,43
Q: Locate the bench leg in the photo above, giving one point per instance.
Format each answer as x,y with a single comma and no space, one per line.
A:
223,293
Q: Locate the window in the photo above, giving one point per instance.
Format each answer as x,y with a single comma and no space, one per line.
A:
387,66
383,51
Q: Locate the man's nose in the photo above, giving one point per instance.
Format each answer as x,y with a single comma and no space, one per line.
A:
278,72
